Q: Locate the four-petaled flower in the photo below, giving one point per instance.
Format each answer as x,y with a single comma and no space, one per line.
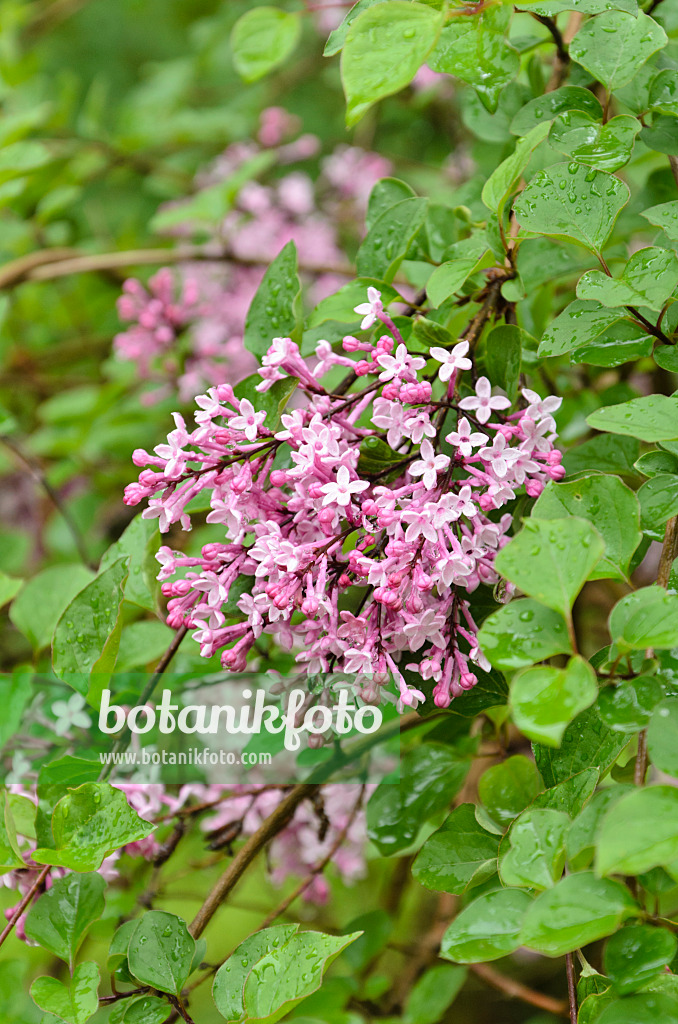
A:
429,465
453,360
248,421
540,407
426,628
339,491
500,456
464,438
371,309
484,402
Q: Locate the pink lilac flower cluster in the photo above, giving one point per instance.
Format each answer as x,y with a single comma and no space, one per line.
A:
200,307
361,574
294,851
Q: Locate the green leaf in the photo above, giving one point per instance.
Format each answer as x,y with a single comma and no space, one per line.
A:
15,693
262,39
522,633
87,635
141,643
143,1010
74,1003
545,108
637,954
463,259
544,700
650,418
629,706
44,598
639,832
506,789
459,855
646,618
664,216
609,505
476,51
661,135
666,356
273,402
117,951
487,929
229,981
61,918
648,279
535,857
607,147
641,1009
551,560
275,311
663,94
623,342
290,973
385,47
571,794
139,542
604,453
579,909
9,588
574,203
10,854
429,778
433,993
503,350
581,839
386,194
658,499
580,323
388,240
615,45
341,305
88,823
662,735
376,456
337,38
160,951
587,743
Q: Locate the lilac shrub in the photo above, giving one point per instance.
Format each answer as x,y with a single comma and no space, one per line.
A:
365,575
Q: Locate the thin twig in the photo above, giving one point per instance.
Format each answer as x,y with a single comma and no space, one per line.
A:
571,987
267,831
516,990
561,48
317,869
28,898
40,478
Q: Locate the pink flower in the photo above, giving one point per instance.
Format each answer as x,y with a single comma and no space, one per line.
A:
453,360
248,421
371,309
485,402
401,365
340,490
429,465
464,439
539,408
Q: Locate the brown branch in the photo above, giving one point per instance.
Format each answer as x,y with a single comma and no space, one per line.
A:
571,988
267,831
515,990
28,898
560,66
317,869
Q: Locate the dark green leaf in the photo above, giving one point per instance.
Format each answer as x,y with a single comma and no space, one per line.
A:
459,855
387,242
615,45
506,789
533,854
636,954
487,929
587,743
648,279
579,324
547,107
629,706
275,311
476,51
607,147
74,1003
60,919
160,951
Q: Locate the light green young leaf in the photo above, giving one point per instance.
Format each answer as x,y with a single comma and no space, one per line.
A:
662,737
476,51
572,202
388,240
579,323
139,542
487,929
615,45
637,954
664,216
463,259
506,789
533,853
648,279
544,700
522,633
10,854
609,505
550,560
262,39
663,94
229,981
658,498
61,918
650,418
547,107
629,706
275,311
386,194
646,618
579,909
606,147
385,47
160,951
341,305
623,342
44,598
503,354
88,823
87,636
74,1003
435,990
639,832
459,855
